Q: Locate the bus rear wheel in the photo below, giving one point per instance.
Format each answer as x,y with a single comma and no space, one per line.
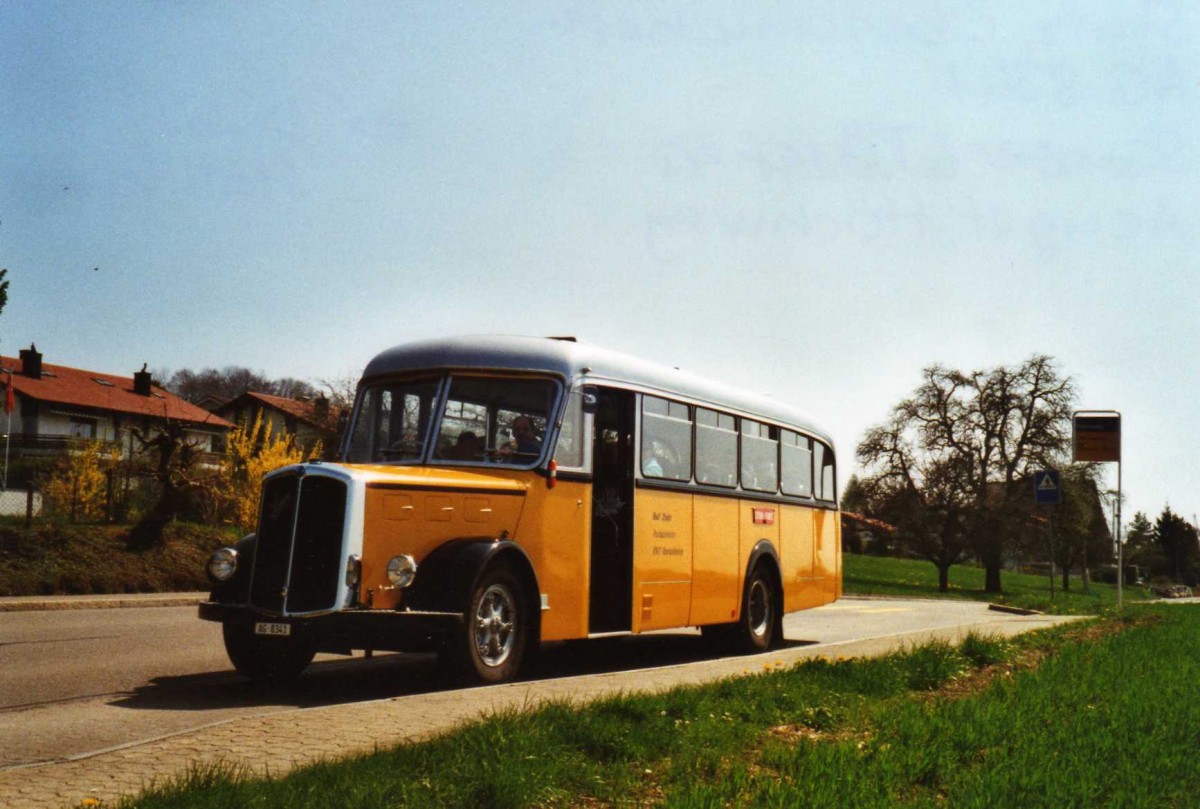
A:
491,644
756,629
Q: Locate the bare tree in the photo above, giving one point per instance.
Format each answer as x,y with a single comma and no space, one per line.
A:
172,468
959,450
341,390
919,494
232,381
291,388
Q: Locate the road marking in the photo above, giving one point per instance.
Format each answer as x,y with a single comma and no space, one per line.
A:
865,609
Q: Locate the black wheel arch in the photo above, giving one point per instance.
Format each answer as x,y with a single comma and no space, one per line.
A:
448,575
764,550
764,553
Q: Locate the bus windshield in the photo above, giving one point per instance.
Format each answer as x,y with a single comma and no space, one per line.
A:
478,419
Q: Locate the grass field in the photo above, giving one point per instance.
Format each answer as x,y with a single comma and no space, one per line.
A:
82,559
1101,713
913,578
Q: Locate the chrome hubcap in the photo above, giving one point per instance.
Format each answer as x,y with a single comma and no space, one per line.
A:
760,608
494,624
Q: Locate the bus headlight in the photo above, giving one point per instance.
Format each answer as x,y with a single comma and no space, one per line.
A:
222,564
401,570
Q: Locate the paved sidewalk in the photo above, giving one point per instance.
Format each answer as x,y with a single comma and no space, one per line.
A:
278,742
99,602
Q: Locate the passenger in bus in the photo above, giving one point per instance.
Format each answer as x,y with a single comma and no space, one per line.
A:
661,461
524,440
467,447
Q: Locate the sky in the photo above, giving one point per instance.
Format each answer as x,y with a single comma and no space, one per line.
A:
812,201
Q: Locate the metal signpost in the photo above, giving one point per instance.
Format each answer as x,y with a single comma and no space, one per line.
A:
1047,491
1097,439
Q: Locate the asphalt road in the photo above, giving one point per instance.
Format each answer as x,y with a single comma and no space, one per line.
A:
76,682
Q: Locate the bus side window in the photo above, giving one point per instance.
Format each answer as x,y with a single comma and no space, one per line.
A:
797,456
666,439
824,481
828,476
759,453
572,435
716,448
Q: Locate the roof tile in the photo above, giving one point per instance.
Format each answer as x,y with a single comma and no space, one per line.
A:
79,388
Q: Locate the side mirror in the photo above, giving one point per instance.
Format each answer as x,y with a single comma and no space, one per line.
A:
590,398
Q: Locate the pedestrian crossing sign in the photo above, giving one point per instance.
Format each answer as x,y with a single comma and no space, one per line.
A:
1046,488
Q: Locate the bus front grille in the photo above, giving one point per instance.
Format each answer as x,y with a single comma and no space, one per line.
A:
298,561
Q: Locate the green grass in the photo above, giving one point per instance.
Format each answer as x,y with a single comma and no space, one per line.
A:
1108,718
913,578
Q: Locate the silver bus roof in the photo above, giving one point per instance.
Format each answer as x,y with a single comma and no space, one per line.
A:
572,360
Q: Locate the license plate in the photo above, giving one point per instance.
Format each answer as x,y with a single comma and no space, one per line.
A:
263,628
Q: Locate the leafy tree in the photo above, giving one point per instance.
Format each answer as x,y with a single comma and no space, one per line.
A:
868,502
1178,540
959,452
1081,533
854,497
1139,532
1142,548
3,289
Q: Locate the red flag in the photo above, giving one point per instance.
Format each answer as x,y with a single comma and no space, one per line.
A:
9,402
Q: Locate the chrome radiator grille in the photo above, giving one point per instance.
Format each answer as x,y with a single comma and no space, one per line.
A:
298,560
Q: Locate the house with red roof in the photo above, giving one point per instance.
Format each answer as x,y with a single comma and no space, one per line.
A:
52,408
308,420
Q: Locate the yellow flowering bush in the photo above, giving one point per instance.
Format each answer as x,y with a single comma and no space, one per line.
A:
77,487
251,451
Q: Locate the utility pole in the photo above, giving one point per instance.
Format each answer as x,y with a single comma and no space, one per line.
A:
1047,491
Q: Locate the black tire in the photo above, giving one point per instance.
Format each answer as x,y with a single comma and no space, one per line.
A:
756,629
491,645
265,660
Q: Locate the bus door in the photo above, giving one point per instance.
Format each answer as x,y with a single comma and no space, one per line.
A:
611,584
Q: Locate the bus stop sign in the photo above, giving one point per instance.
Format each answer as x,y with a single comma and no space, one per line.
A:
1098,437
1046,488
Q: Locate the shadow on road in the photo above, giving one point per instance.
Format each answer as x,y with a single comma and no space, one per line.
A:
332,681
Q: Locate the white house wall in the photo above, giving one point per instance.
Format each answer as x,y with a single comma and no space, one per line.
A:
50,423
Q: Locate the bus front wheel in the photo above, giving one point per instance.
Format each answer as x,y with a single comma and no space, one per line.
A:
491,644
265,660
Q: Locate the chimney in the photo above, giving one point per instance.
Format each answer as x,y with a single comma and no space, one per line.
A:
142,381
321,409
31,362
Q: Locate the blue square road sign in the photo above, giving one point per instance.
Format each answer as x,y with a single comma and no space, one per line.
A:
1046,488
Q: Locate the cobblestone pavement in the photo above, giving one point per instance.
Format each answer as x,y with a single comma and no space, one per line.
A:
278,742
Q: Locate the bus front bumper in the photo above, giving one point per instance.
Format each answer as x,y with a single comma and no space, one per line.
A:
344,630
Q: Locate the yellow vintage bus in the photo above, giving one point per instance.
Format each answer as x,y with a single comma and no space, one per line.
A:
494,493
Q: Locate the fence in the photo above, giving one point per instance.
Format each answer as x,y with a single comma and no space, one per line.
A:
110,505
26,502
